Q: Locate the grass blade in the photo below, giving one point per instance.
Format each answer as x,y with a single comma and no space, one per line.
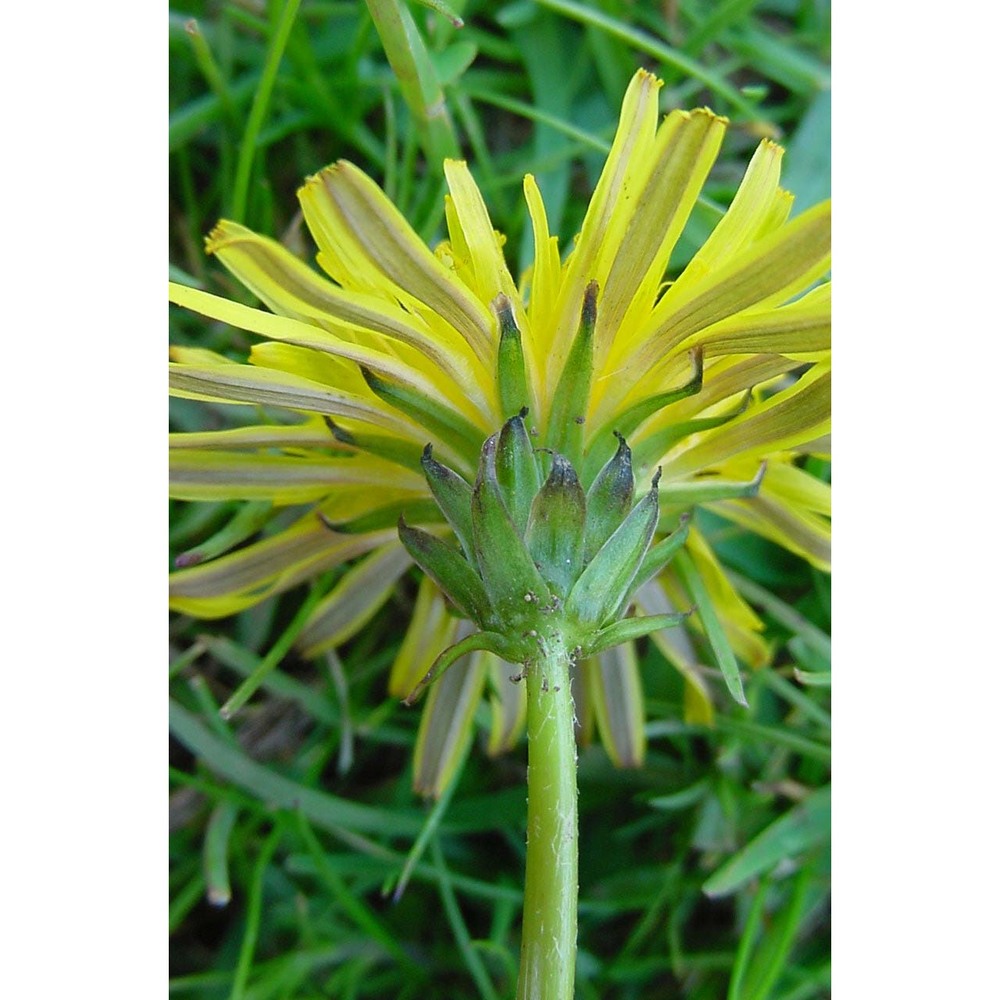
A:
254,909
410,61
258,110
461,932
277,653
713,627
645,42
215,853
805,826
325,810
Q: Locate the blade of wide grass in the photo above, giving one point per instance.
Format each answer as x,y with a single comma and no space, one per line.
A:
770,953
417,77
803,827
325,810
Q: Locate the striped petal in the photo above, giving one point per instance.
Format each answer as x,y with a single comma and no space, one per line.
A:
790,417
508,705
768,272
268,387
431,629
791,526
800,330
616,690
686,147
355,599
282,479
353,221
294,331
312,433
237,581
289,287
679,651
446,723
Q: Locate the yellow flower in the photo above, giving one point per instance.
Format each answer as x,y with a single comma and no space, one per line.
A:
716,377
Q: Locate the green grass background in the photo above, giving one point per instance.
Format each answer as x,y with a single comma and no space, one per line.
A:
704,875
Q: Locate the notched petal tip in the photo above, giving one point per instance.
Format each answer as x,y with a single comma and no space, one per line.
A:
221,235
708,112
646,79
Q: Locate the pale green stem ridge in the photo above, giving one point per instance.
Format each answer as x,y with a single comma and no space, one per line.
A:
548,941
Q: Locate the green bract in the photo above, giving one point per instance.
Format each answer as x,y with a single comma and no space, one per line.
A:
538,559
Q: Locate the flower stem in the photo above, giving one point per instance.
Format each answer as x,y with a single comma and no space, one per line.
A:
548,941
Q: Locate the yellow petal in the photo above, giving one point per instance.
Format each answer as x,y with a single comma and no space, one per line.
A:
545,273
750,211
263,386
678,650
481,243
748,644
344,207
625,171
786,419
733,610
768,272
198,356
289,287
686,147
293,331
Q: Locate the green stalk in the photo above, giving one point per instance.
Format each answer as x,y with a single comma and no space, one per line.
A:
548,941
